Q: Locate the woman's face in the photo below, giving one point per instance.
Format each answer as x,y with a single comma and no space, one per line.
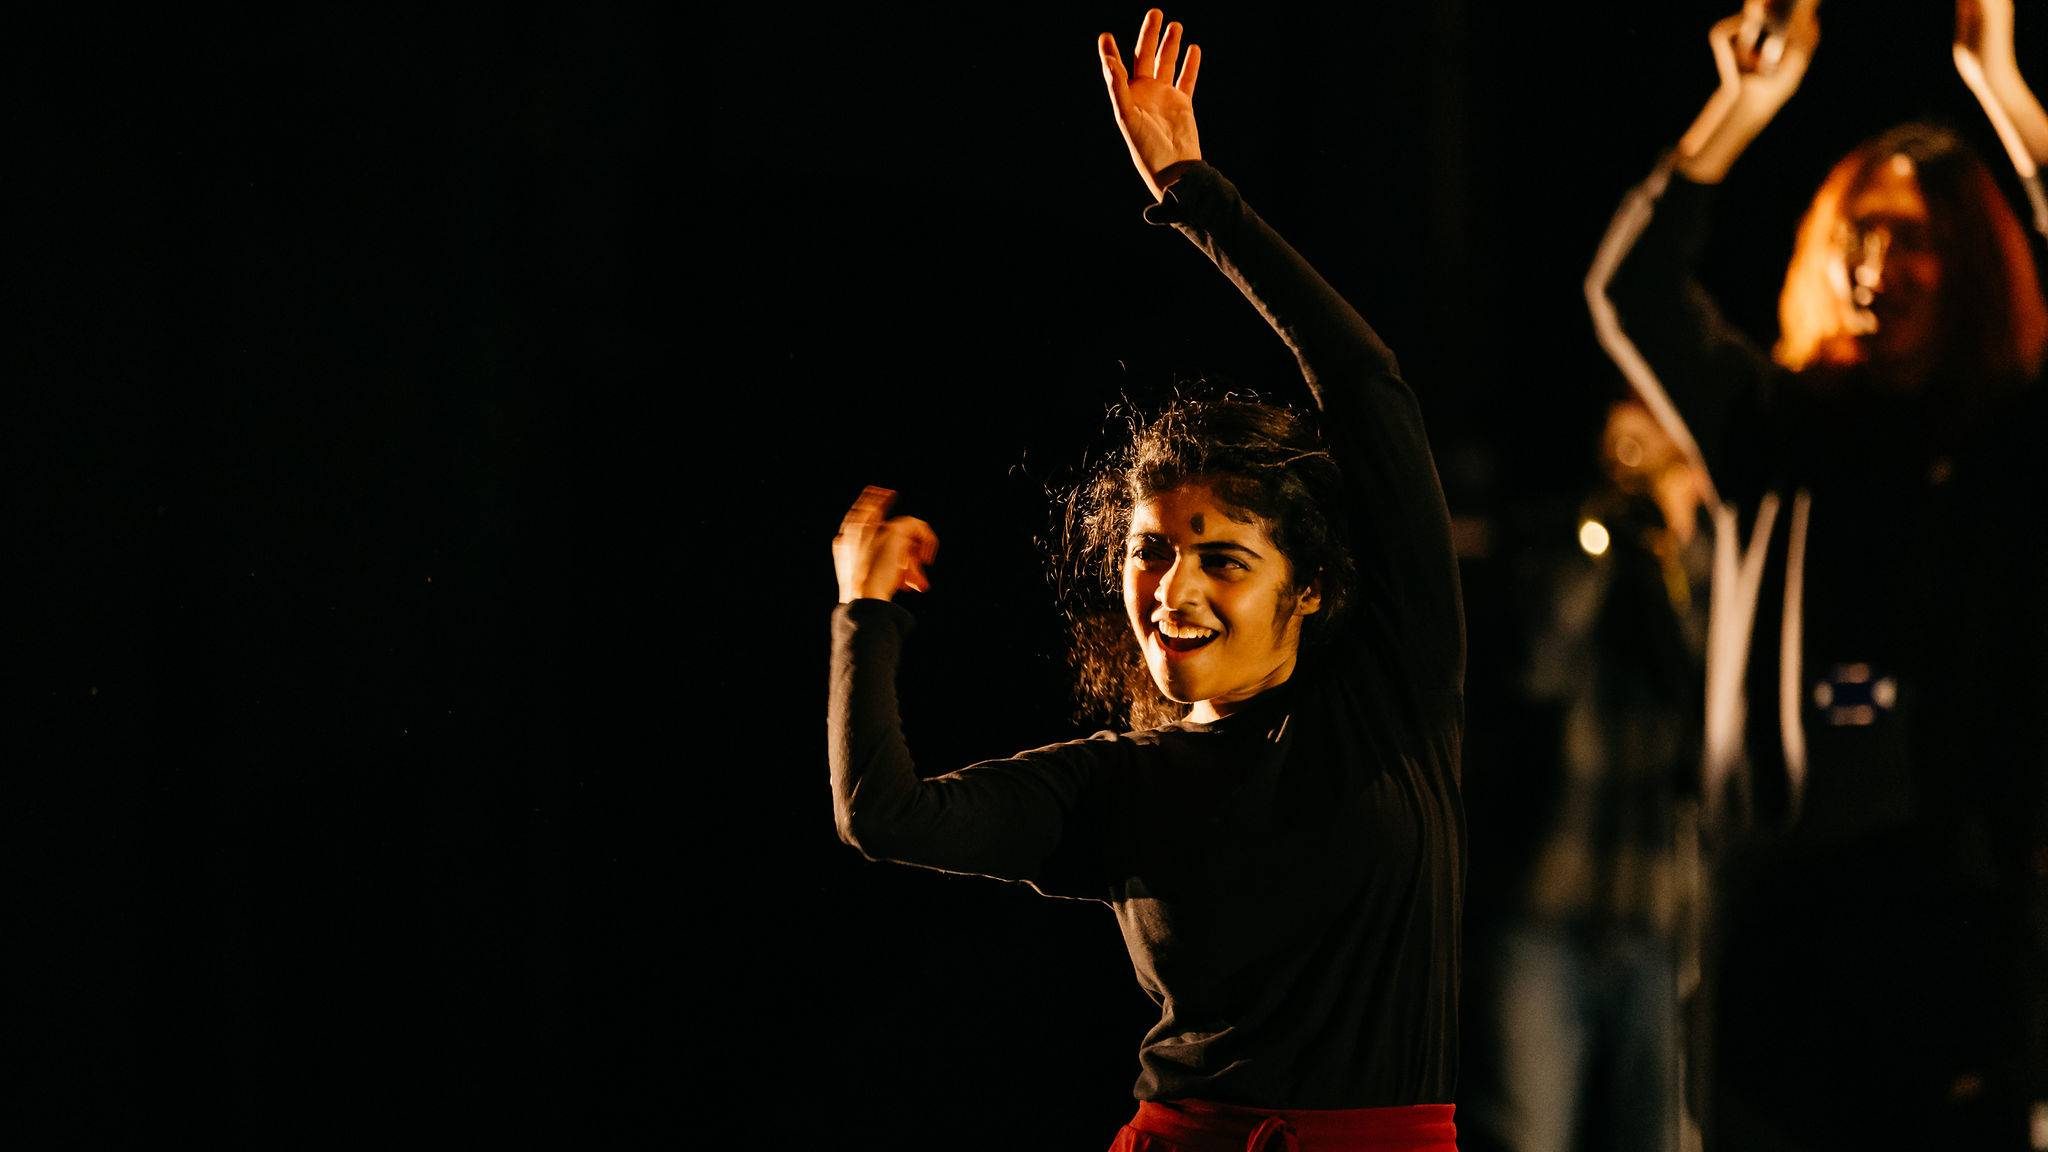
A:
1209,599
1890,272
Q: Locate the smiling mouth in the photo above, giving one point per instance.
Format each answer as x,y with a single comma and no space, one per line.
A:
1183,638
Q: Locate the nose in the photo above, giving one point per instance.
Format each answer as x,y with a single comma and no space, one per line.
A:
1180,585
1867,277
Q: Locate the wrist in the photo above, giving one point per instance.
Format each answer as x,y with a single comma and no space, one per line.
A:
1720,134
1709,162
1168,176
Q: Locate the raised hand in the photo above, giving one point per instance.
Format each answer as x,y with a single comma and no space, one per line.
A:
1761,54
877,555
1155,111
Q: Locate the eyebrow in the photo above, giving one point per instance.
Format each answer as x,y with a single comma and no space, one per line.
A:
1202,546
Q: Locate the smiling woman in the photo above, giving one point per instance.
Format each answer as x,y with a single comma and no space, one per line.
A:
1221,525
1213,601
1280,831
1205,505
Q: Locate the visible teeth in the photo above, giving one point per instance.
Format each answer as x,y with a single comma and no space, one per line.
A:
1184,631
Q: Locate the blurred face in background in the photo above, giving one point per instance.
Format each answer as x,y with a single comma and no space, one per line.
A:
1889,273
1641,458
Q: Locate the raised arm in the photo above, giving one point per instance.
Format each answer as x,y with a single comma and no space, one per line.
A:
1986,60
1651,314
1402,543
1990,68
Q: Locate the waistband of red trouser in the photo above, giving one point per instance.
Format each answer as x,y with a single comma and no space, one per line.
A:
1207,1124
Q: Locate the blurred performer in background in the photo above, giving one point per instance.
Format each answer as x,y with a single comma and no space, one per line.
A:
1877,702
1585,967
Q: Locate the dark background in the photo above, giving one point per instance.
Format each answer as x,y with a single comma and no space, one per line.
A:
428,435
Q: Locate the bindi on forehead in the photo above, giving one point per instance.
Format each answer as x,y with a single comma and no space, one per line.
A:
1197,523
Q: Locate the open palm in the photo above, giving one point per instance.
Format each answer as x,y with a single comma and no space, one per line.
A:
1155,111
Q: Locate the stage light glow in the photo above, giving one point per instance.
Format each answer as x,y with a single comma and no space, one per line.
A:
1593,537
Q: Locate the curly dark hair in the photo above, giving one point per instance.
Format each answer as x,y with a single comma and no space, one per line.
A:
1263,459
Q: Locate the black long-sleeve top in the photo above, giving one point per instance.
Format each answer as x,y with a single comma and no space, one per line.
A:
1289,878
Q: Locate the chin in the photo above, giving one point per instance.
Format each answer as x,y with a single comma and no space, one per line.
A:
1174,690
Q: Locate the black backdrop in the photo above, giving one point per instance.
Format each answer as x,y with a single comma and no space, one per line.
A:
428,436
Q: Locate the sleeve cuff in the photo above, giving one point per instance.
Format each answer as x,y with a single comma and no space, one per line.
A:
1193,187
877,613
1687,194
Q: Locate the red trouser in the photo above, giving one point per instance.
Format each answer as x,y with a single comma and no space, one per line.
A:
1202,1126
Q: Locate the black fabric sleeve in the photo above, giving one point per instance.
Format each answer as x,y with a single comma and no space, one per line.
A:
1411,608
1008,819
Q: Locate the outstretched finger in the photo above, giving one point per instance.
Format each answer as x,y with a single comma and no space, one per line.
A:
1112,66
1188,71
1169,51
1145,53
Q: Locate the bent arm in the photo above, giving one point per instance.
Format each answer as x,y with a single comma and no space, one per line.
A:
1402,534
1005,819
1989,66
1650,313
1662,328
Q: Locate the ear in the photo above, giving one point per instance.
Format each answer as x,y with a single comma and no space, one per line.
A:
1309,600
